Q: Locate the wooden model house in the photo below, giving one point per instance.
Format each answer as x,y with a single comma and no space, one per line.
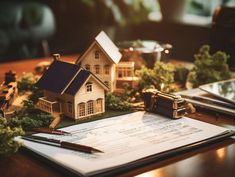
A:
102,58
71,90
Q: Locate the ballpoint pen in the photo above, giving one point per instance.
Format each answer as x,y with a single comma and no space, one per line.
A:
62,144
50,131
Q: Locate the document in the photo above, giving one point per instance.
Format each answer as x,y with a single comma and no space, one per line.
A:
124,140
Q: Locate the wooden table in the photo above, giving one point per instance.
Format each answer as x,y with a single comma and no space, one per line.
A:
215,160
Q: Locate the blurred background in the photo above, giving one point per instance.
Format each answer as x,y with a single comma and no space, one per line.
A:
38,28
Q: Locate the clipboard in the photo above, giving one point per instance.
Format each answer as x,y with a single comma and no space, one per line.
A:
137,164
141,160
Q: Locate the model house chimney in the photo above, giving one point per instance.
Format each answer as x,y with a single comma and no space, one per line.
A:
56,56
10,77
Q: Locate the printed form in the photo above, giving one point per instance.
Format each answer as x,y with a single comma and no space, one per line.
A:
124,139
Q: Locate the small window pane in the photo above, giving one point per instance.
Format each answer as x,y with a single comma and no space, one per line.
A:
81,109
106,69
97,69
89,87
90,107
99,105
88,67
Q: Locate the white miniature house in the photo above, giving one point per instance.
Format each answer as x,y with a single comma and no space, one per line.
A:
71,90
103,59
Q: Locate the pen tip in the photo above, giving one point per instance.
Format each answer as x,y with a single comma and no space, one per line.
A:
97,150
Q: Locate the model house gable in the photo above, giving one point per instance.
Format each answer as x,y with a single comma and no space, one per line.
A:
101,58
90,99
91,89
95,60
89,86
108,47
105,45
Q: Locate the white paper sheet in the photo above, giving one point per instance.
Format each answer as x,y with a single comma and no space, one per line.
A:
124,139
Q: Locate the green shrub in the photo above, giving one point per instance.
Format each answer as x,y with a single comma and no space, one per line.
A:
115,102
26,82
7,135
209,67
32,119
181,74
160,77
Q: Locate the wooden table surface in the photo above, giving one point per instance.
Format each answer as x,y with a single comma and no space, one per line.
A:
215,160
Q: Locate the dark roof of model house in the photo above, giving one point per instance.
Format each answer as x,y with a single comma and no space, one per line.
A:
107,46
62,77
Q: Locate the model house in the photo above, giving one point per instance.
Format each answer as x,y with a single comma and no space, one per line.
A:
103,59
71,90
8,92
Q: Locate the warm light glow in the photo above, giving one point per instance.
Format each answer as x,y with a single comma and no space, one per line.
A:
166,51
221,153
152,173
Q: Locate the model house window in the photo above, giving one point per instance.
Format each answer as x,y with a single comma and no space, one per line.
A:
90,107
99,105
69,107
89,87
97,69
106,83
128,73
97,54
88,67
81,109
120,73
124,72
106,69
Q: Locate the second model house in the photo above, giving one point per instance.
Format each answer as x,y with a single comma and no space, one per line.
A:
103,59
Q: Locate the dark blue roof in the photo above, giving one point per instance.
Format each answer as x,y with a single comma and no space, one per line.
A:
78,82
58,76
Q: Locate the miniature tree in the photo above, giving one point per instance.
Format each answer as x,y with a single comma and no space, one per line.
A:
160,77
26,82
114,102
7,134
209,67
